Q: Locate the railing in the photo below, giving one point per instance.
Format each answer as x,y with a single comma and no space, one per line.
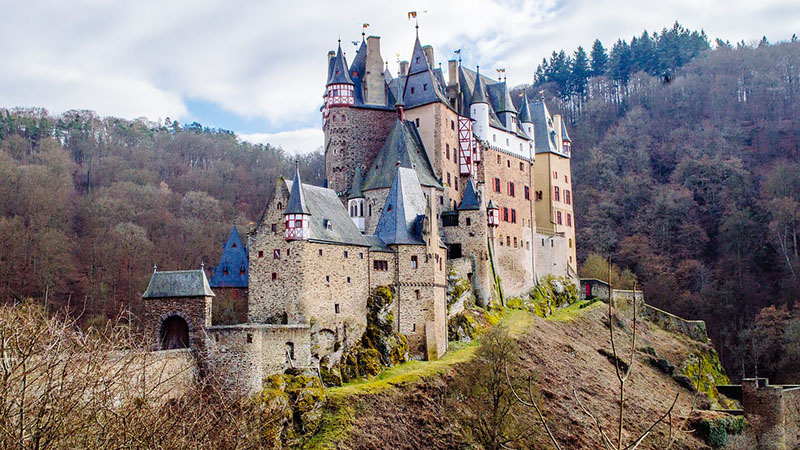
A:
549,232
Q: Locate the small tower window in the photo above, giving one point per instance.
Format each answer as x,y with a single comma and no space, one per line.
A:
249,338
261,253
234,245
416,121
424,86
452,124
412,89
414,262
276,254
469,221
345,253
416,294
274,228
336,308
274,276
327,278
320,252
290,350
348,279
360,256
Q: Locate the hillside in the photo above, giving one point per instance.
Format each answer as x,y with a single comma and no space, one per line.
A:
689,178
562,352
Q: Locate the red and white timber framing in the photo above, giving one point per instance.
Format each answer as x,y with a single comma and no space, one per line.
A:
337,95
297,227
466,147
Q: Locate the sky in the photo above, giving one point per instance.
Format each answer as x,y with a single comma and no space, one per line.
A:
259,67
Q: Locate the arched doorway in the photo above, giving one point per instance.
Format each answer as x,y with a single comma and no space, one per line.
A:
174,333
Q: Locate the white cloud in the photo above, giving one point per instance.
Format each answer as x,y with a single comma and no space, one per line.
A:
304,140
265,60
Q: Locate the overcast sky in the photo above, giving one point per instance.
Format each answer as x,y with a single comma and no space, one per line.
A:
259,67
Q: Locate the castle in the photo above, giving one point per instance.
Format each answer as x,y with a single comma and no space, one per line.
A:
426,176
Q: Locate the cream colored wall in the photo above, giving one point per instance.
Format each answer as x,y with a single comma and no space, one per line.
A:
544,167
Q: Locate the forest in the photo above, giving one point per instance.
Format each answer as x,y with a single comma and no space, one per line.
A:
686,165
687,159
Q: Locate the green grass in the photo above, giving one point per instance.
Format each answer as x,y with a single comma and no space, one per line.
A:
574,310
337,418
517,322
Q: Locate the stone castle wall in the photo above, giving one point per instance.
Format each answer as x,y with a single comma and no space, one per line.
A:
353,137
244,354
474,240
551,250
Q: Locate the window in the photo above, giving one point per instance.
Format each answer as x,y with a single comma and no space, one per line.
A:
469,221
370,210
450,219
298,224
274,227
456,180
570,243
327,278
558,217
249,338
497,184
225,270
447,151
505,214
274,276
528,245
508,163
276,254
345,254
290,350
539,195
566,180
336,308
242,270
498,159
234,245
261,253
494,139
414,262
348,279
448,178
320,252
555,174
424,86
287,252
511,190
567,197
556,194
416,121
527,193
412,91
569,219
452,124
360,256
453,252
380,266
513,216
521,164
515,242
508,241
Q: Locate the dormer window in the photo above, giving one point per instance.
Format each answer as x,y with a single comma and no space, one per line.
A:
425,86
234,245
418,59
412,89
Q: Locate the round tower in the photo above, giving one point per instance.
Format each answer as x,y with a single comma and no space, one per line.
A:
479,108
355,201
339,97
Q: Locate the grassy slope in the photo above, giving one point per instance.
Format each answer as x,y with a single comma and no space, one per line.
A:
562,350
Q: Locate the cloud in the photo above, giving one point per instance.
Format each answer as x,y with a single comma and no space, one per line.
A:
300,141
265,61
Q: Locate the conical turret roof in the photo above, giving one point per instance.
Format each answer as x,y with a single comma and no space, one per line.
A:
478,94
232,269
470,200
297,200
402,216
355,187
403,146
339,73
525,115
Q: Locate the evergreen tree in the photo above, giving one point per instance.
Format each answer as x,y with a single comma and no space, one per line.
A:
540,76
558,72
763,43
619,62
643,54
599,58
579,72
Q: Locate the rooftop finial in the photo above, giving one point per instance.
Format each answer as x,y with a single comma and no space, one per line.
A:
202,265
364,30
155,268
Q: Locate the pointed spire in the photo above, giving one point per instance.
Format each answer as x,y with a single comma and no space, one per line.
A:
419,63
478,94
339,73
355,188
525,115
564,134
470,200
505,103
400,221
297,200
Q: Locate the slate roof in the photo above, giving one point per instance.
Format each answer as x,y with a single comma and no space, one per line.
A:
468,79
178,283
337,72
422,78
564,134
355,186
525,115
357,70
234,260
297,198
403,145
544,136
500,98
470,200
404,211
478,92
325,208
376,244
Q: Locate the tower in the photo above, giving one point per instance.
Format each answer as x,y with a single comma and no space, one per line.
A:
525,118
479,109
355,201
296,215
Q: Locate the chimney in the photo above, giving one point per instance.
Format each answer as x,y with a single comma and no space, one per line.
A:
331,55
428,50
374,92
403,68
557,125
